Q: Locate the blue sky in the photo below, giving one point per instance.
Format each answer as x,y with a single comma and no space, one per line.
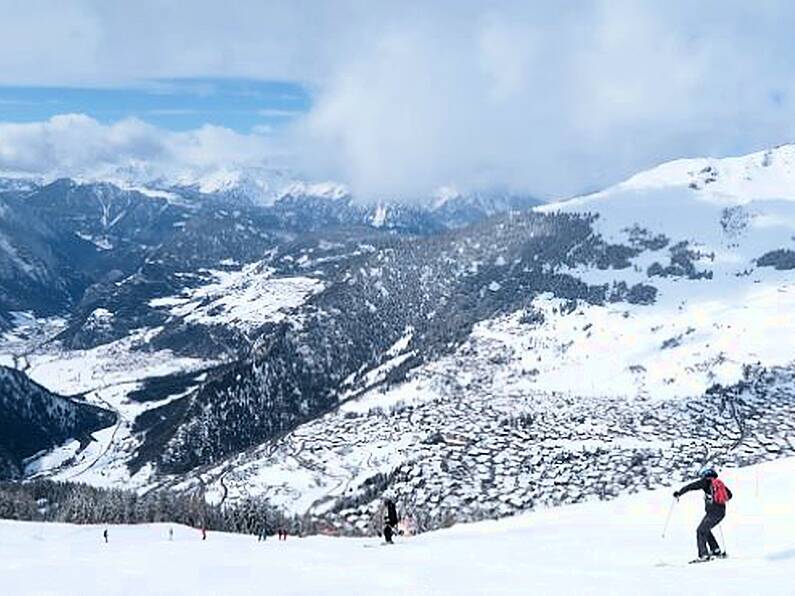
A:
242,105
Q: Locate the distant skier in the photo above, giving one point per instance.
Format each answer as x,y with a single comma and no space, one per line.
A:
170,534
716,495
204,533
105,535
390,519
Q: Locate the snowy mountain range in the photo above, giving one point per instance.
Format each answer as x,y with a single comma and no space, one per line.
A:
476,357
58,240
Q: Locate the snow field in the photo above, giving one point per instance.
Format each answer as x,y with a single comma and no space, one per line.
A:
593,548
246,299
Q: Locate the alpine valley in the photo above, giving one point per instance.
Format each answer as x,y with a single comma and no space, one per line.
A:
474,354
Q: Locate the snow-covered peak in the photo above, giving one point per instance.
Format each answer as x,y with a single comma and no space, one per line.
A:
444,194
729,223
262,185
222,180
322,190
768,174
11,181
380,215
710,201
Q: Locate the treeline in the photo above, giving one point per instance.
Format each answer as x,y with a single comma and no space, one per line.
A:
45,500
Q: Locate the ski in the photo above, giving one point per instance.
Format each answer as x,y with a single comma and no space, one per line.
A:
709,559
380,544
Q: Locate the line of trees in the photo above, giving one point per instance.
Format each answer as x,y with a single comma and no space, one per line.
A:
46,500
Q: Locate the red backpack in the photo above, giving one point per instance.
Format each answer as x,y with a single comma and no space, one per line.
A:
720,495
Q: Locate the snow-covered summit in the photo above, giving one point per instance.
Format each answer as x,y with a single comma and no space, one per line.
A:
713,202
443,194
266,185
321,190
768,174
717,241
261,185
12,181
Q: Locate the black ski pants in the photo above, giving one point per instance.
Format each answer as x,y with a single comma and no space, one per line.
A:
704,535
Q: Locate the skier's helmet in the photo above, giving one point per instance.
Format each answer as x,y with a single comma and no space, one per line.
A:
707,472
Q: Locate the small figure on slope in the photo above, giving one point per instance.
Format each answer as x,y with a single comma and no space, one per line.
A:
105,535
716,495
390,519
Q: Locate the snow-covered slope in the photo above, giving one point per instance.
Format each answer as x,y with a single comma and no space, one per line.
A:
247,298
33,420
718,234
592,548
107,376
720,203
768,174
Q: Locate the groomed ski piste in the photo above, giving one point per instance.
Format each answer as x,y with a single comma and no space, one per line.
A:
612,547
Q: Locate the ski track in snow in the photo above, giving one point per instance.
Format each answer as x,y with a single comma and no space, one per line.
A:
592,548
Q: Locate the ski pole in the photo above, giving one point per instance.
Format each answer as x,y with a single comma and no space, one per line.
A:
722,539
668,517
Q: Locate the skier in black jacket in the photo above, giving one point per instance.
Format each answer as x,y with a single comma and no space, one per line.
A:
390,520
715,507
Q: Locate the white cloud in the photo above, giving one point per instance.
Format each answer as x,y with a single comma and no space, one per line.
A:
547,97
77,145
279,113
554,101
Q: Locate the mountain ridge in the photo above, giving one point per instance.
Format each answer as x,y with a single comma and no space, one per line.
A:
34,420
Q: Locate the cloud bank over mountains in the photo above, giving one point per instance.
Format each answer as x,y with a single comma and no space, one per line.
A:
75,145
551,98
